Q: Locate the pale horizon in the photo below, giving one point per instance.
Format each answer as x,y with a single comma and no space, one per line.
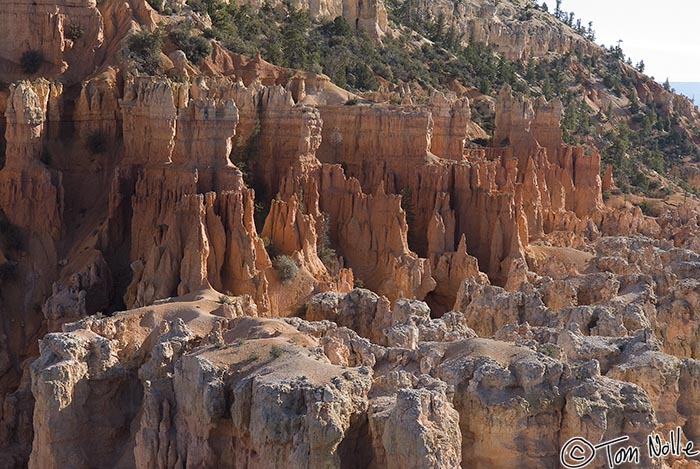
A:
665,36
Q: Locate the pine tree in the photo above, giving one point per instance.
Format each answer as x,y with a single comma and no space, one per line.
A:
667,85
590,34
295,45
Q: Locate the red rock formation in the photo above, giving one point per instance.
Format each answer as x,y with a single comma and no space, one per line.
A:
31,196
292,231
608,182
451,122
354,134
450,269
369,16
413,209
370,232
531,186
44,26
31,201
501,25
86,291
289,137
149,120
168,404
198,239
208,239
97,108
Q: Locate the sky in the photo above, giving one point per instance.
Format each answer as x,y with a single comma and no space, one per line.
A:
664,34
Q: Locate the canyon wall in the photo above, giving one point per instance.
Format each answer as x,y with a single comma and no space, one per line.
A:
50,28
504,26
458,293
367,15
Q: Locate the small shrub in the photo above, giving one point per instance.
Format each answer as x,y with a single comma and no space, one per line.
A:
243,156
276,351
97,142
156,4
351,102
286,268
364,78
549,350
324,250
195,47
199,48
31,61
226,300
359,283
647,208
74,32
145,49
176,77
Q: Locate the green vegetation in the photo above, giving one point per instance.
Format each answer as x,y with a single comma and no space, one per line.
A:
654,142
276,351
74,32
286,268
549,350
324,248
646,208
242,29
145,49
227,300
407,206
157,4
243,155
31,61
644,137
195,47
651,139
